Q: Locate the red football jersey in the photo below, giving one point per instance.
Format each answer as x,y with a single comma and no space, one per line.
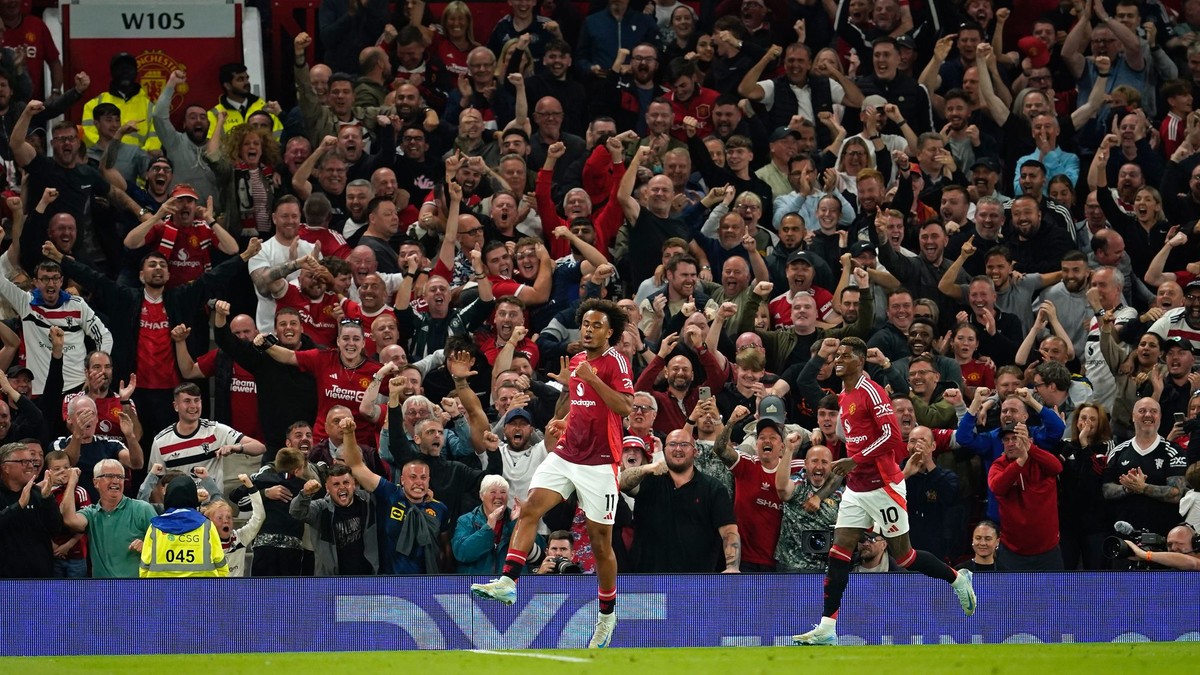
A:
872,436
593,435
243,395
338,385
316,316
156,367
758,509
781,307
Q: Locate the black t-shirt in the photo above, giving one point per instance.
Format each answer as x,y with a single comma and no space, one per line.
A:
645,252
677,528
77,187
1162,462
418,178
349,523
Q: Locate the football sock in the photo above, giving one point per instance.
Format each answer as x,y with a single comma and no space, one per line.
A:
835,580
514,562
608,600
929,565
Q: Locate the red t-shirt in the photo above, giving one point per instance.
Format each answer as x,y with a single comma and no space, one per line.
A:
593,435
355,311
339,385
502,287
758,509
79,551
781,307
332,243
872,436
453,58
189,257
487,344
316,316
108,416
976,374
33,36
700,106
243,395
155,351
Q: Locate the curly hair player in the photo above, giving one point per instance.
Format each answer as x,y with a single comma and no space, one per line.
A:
875,493
600,386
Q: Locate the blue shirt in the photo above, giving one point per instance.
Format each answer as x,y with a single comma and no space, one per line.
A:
1057,161
393,506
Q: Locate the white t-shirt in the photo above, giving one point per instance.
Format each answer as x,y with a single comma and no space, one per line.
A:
198,448
273,253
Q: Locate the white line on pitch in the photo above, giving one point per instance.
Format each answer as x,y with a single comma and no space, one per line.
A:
550,657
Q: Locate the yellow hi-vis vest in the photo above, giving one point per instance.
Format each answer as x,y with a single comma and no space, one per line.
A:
192,554
137,108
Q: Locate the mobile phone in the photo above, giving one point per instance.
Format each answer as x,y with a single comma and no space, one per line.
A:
705,393
1179,417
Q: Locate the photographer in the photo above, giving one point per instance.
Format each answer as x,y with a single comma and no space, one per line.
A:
1180,553
810,508
560,559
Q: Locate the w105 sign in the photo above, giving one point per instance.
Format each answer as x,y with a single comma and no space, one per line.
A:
153,20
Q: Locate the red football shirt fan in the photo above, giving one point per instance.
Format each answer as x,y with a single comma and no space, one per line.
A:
339,385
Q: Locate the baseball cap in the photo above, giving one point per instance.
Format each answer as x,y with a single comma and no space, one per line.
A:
874,101
771,408
1194,283
120,57
184,190
17,371
163,159
1035,50
801,256
1009,428
782,133
1176,342
860,247
516,413
635,443
989,163
906,41
105,110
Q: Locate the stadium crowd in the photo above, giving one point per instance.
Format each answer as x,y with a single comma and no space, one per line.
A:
333,339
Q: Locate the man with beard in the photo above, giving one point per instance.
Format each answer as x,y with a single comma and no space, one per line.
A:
331,167
109,404
279,260
686,521
810,505
78,186
130,99
683,388
238,103
681,289
1038,245
920,342
1069,297
922,274
456,483
158,179
183,239
315,297
1013,292
322,119
141,319
284,393
345,524
520,455
430,328
627,97
756,501
555,82
382,225
965,141
359,194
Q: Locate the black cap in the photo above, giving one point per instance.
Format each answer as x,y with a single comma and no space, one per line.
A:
17,371
782,133
989,163
860,247
518,413
767,422
906,41
1009,428
801,256
122,56
1176,342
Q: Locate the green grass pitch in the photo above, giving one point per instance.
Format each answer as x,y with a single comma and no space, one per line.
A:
1090,659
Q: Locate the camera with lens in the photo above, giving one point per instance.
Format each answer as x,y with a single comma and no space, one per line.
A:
563,565
1115,546
815,542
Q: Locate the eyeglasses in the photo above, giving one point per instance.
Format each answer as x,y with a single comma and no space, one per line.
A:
472,231
750,207
920,372
26,462
47,280
548,114
680,444
643,59
64,139
1038,385
111,476
640,408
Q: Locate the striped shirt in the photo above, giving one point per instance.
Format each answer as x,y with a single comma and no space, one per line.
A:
199,448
